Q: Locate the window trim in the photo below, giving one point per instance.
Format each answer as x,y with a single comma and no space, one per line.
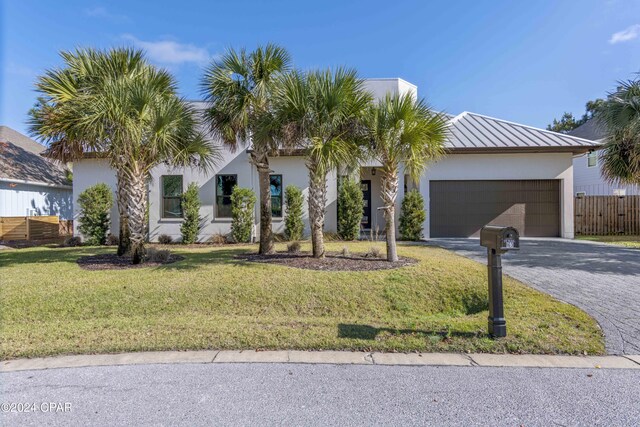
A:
162,198
281,196
592,155
215,205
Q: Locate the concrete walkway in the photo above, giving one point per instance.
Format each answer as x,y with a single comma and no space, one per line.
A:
323,357
603,280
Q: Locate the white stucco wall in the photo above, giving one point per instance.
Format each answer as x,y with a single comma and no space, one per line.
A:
380,87
293,170
507,166
589,179
18,199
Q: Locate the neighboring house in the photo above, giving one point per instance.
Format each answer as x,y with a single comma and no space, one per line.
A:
495,172
587,173
31,184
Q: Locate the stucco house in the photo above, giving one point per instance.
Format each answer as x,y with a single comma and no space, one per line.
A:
587,171
31,184
495,172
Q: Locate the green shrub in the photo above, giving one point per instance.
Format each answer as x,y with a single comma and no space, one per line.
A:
112,240
72,241
350,205
293,224
293,247
95,204
165,239
191,212
157,255
412,216
243,201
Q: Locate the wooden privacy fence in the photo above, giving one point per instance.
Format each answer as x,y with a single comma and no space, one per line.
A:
29,227
606,215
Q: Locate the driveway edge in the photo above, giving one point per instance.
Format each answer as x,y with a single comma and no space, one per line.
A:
324,357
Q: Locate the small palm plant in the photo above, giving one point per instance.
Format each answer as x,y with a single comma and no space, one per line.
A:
405,132
115,105
320,112
238,88
620,117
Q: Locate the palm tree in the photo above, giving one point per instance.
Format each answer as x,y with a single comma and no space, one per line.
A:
402,131
238,88
620,117
114,104
320,112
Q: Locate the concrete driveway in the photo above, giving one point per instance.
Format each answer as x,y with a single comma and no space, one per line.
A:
603,280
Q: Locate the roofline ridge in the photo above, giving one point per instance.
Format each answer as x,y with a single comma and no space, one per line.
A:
531,127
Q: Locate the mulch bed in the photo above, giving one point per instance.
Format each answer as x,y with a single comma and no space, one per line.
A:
331,261
115,262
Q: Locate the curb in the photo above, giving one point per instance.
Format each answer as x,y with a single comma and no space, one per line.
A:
324,357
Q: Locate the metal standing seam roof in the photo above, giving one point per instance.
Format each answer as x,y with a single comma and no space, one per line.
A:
475,131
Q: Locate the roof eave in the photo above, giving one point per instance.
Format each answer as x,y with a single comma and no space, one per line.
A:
580,149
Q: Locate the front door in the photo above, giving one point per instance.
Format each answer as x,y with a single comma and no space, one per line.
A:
365,185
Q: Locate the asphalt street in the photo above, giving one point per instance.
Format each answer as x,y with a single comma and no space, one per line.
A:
297,394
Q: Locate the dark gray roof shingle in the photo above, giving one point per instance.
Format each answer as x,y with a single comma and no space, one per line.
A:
21,160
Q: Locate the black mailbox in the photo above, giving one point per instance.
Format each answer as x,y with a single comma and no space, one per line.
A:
501,239
497,240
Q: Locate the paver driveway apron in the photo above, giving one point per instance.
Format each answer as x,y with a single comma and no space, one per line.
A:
603,280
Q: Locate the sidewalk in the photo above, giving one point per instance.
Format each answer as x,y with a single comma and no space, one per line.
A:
324,357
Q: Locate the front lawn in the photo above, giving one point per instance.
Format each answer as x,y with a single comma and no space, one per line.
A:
626,241
211,300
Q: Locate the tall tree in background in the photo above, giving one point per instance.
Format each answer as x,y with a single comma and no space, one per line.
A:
238,88
619,115
114,104
404,132
568,122
321,112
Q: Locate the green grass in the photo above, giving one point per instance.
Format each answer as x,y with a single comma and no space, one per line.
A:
212,301
626,241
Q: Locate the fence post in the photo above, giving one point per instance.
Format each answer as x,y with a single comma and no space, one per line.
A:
28,227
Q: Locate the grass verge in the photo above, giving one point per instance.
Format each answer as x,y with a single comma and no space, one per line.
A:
626,241
211,300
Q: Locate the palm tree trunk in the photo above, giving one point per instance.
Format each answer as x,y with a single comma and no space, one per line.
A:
261,161
124,240
317,203
137,195
389,193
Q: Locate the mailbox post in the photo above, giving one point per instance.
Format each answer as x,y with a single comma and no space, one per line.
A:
497,240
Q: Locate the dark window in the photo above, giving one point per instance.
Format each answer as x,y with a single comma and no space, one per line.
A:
171,196
224,187
276,195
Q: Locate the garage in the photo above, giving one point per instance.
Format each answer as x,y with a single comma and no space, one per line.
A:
460,208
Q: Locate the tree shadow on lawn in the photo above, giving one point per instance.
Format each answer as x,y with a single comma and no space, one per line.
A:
368,332
192,260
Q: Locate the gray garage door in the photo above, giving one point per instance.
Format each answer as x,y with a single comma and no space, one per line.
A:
461,208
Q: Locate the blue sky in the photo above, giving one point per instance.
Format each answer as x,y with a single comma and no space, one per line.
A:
525,61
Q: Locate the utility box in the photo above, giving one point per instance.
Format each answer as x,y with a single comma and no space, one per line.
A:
501,239
497,240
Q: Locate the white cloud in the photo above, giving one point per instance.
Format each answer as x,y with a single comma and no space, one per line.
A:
625,35
171,52
101,12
